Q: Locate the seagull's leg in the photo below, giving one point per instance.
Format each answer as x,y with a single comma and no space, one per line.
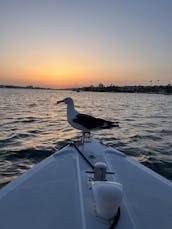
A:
83,137
89,134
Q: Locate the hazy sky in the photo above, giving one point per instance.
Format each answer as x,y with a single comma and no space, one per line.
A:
68,42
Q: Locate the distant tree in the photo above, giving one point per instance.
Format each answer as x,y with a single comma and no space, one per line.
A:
101,85
169,89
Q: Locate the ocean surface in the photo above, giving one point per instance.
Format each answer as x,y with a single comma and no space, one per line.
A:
32,127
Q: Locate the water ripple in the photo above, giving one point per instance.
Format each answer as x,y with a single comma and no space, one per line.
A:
33,127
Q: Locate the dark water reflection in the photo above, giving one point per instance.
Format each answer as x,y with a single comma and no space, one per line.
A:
32,127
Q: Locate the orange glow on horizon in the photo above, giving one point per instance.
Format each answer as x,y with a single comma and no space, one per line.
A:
70,73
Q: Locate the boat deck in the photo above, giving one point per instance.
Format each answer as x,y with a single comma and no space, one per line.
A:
57,193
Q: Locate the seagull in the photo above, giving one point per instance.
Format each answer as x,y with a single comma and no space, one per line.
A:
84,122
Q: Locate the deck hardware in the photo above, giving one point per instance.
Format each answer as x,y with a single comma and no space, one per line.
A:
92,156
100,171
108,197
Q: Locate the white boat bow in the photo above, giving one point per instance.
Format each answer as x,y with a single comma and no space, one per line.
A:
61,192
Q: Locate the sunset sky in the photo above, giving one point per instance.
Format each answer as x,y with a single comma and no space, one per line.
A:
63,43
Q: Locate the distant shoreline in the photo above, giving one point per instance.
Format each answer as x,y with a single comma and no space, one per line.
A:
155,89
27,87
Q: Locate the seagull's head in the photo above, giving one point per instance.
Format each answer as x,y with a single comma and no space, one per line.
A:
67,101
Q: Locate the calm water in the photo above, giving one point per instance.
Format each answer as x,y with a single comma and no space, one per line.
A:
32,127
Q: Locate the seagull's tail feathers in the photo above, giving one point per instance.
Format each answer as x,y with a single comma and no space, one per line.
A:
109,125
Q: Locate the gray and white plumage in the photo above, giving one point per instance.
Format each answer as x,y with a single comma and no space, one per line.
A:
84,122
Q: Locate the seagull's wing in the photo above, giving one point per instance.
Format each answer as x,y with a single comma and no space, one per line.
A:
88,121
91,122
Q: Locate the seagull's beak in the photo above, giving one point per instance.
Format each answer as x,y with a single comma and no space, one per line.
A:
61,101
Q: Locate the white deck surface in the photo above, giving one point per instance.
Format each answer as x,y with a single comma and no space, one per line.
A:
56,194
